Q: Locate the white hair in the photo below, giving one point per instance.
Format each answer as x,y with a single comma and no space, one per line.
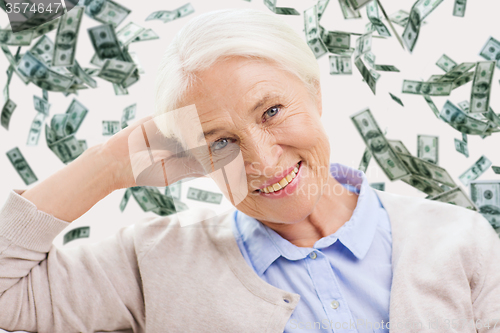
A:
223,33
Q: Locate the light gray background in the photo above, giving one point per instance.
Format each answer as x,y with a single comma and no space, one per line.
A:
460,38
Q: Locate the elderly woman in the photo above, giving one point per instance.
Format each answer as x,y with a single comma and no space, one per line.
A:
287,259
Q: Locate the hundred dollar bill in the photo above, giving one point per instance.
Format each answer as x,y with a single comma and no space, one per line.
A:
419,11
357,4
462,147
428,148
476,170
80,73
105,11
205,196
434,78
335,41
496,169
125,198
365,160
313,32
92,71
461,121
398,146
58,125
378,145
457,72
321,6
491,50
66,37
347,11
116,71
43,50
22,167
397,99
174,190
271,4
110,127
445,63
378,186
386,68
145,35
481,86
45,28
165,204
427,88
13,61
66,149
369,58
400,18
128,33
431,104
486,195
463,79
340,65
50,135
144,198
41,75
41,105
428,186
368,75
167,15
132,78
455,196
363,44
36,129
459,8
105,42
128,114
7,110
422,168
374,17
119,90
21,38
76,113
81,232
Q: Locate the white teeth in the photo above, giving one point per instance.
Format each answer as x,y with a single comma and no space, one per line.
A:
282,183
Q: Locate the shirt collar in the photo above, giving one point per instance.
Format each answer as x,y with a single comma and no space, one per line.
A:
264,245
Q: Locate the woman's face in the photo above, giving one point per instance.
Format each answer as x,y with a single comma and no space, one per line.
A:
273,133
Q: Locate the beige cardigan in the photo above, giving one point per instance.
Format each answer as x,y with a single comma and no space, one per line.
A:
156,276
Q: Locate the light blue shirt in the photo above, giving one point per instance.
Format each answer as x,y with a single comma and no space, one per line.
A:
344,280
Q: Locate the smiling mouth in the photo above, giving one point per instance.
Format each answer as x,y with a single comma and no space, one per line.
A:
282,183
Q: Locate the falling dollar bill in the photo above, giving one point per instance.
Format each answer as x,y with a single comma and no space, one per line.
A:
145,35
486,195
41,105
174,190
400,18
374,17
66,37
425,169
377,144
128,33
21,38
66,149
205,196
419,11
378,186
167,15
116,71
36,129
365,160
23,169
456,196
397,99
105,11
82,74
128,114
428,186
81,232
481,86
398,146
459,8
119,90
76,114
347,11
110,127
386,68
427,88
105,42
462,147
457,71
357,4
461,121
7,110
445,63
428,148
125,198
313,32
340,65
496,169
491,50
271,4
476,170
336,41
368,75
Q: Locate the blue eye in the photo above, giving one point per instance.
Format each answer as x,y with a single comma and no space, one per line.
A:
219,144
272,111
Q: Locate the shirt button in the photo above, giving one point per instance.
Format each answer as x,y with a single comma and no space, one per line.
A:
313,255
334,304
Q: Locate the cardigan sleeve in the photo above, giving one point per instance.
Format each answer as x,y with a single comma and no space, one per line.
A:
95,287
485,283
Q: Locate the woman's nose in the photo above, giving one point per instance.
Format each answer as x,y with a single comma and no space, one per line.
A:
262,159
